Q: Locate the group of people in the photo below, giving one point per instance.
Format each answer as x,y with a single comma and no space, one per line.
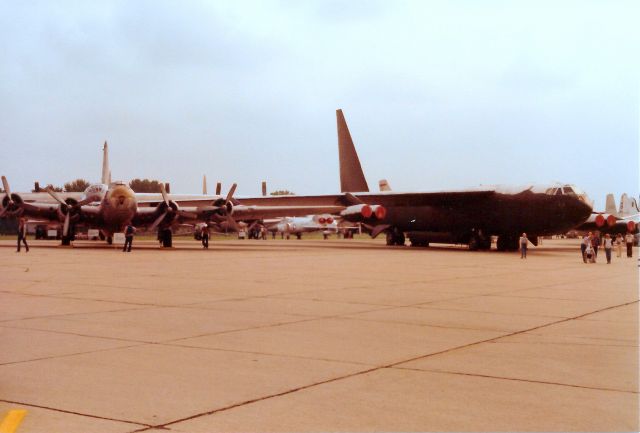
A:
591,244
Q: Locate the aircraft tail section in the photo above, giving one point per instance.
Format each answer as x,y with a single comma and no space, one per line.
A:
106,173
628,206
351,175
610,207
204,184
384,185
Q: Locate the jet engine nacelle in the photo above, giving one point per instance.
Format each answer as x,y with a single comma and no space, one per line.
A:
284,227
361,212
631,226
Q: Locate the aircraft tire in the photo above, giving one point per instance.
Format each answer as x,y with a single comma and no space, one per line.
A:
299,236
66,241
109,240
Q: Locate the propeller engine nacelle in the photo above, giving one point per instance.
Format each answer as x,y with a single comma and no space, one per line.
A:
631,226
11,205
224,207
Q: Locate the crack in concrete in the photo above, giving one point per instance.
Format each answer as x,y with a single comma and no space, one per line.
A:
515,379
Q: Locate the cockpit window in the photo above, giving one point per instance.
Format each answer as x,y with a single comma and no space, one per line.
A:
559,191
567,190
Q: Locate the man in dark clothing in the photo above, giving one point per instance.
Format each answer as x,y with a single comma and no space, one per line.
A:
596,244
204,234
128,237
22,234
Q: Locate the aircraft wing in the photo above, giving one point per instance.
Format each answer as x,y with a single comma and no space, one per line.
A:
255,212
388,199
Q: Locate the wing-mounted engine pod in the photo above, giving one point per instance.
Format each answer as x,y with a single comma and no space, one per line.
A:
361,212
611,220
329,220
322,220
15,198
631,226
600,220
11,206
379,211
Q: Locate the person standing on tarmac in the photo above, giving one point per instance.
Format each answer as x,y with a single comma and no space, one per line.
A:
129,231
586,241
523,246
204,234
22,234
629,241
619,242
607,244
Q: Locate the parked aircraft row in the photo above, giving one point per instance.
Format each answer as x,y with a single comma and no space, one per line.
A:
469,216
626,219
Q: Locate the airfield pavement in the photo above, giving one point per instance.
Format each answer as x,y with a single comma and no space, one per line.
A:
316,336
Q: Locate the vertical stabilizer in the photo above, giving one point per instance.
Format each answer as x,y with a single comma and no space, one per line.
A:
384,185
204,184
628,206
264,188
351,175
106,173
610,208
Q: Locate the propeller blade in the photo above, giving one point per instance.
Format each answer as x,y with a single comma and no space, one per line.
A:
232,223
158,221
53,194
231,192
65,229
85,201
7,188
165,197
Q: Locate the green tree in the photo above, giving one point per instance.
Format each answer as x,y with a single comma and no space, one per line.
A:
283,192
53,188
78,185
145,185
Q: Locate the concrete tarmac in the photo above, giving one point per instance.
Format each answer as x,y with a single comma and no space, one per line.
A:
315,336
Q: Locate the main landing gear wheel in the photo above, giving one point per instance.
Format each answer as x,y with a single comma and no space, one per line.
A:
479,242
66,241
507,243
395,237
299,236
109,240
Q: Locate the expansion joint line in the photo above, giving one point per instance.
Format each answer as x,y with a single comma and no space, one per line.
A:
370,370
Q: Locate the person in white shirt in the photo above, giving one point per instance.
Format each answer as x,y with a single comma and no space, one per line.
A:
608,244
619,241
629,241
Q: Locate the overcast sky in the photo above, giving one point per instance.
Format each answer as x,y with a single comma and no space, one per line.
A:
437,94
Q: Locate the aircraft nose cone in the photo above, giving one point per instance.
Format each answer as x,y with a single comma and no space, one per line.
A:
579,209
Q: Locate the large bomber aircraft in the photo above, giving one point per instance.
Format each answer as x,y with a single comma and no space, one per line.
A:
118,206
110,206
463,216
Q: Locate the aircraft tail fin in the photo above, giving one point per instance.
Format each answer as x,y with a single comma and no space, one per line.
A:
628,206
351,175
204,184
610,208
106,172
384,185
